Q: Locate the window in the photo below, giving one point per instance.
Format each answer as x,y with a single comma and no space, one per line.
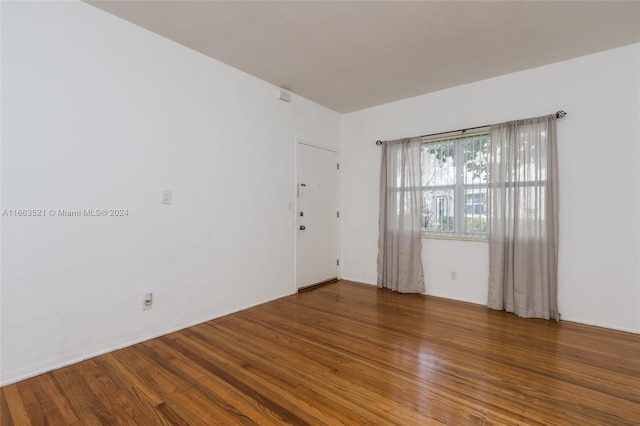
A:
454,185
475,204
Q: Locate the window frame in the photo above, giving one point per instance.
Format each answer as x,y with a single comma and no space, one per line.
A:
460,189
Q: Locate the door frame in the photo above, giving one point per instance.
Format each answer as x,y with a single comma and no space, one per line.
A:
299,142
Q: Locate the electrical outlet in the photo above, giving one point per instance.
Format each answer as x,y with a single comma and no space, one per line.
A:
166,196
454,275
147,301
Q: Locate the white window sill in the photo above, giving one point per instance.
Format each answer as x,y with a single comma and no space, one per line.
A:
448,237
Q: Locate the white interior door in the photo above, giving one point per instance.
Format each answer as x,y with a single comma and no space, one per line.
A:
317,216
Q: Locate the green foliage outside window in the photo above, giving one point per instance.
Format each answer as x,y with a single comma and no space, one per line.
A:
476,225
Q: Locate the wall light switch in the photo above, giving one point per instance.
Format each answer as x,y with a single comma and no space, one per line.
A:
166,196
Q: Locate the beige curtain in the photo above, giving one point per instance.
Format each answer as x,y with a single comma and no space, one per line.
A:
523,218
399,243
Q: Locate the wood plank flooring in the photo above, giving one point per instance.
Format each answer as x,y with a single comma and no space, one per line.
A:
347,353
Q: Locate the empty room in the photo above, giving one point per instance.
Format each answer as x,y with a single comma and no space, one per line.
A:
320,212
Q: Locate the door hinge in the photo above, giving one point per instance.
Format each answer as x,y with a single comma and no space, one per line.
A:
338,262
338,214
338,166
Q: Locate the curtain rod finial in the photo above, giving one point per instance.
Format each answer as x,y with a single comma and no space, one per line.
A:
378,142
560,114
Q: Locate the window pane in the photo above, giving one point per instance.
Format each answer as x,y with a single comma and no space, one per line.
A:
438,164
475,159
438,210
475,211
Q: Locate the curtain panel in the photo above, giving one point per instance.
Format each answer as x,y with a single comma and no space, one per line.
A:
399,243
523,218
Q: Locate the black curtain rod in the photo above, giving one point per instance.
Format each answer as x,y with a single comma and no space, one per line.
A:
559,114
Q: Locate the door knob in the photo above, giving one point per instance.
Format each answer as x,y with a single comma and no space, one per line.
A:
302,227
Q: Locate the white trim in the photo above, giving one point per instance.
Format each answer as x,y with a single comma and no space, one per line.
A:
41,366
313,145
300,141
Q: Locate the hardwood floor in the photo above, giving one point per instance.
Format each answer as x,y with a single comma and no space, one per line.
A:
352,354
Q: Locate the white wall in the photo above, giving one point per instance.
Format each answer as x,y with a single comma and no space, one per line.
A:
599,148
99,113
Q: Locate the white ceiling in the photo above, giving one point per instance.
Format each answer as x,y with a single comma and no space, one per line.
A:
353,55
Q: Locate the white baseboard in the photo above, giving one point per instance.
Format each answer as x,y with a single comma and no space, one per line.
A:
595,324
22,372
